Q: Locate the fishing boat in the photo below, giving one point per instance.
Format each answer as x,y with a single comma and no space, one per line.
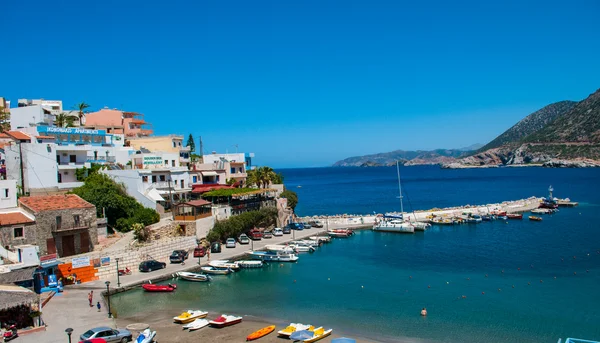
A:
302,248
149,287
293,327
146,336
194,276
340,233
225,320
250,264
473,219
310,336
514,215
196,324
216,270
278,247
312,242
534,218
487,217
189,316
274,256
442,221
260,333
321,239
224,264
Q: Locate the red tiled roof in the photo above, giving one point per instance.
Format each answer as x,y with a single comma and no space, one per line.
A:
4,135
54,202
208,187
19,135
197,203
14,218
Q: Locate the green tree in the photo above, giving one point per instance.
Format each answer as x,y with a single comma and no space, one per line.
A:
236,225
292,198
70,121
81,108
252,178
190,143
4,120
277,179
60,120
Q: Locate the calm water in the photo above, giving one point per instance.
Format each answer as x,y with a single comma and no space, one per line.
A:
378,282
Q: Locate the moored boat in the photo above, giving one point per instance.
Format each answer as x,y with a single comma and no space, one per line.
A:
260,333
321,239
216,270
340,233
250,264
274,256
534,218
193,276
279,247
473,219
225,320
514,215
224,264
149,287
395,225
189,316
302,248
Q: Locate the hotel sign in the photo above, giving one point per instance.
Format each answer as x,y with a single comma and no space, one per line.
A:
71,130
152,160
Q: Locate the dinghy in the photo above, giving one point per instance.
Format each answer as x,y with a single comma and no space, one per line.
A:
148,287
260,333
189,316
194,276
225,320
196,324
216,270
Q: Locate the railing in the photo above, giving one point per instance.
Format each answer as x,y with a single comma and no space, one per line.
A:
100,159
82,224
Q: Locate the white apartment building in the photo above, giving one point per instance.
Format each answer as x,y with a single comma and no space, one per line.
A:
55,107
29,116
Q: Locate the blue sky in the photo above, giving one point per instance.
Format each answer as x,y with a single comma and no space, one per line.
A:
305,83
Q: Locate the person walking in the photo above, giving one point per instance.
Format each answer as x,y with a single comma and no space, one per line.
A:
91,298
98,306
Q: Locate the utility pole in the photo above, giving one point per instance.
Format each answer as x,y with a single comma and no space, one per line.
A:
22,172
170,193
201,151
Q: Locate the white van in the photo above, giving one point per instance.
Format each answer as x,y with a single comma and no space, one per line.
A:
277,232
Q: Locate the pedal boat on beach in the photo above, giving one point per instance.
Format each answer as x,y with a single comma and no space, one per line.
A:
293,327
260,333
146,336
310,336
536,219
196,324
189,316
149,287
194,276
216,270
225,320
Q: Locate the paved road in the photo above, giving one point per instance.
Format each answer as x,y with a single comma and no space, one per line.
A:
71,309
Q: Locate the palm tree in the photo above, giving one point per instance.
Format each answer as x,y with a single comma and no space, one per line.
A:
267,176
60,120
81,107
252,178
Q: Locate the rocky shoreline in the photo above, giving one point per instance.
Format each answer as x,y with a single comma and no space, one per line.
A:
553,163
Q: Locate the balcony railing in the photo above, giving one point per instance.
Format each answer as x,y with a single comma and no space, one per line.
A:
100,159
82,224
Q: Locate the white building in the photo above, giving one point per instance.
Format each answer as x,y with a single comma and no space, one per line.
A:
55,107
29,116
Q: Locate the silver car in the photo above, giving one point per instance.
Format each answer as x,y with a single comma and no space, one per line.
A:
108,334
230,243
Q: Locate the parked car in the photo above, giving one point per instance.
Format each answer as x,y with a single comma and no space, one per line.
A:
255,234
277,232
230,243
178,256
108,334
267,234
316,223
306,226
199,251
94,340
151,265
286,230
294,226
243,239
215,247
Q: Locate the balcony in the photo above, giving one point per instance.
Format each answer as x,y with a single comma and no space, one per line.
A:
239,175
69,185
73,165
102,160
81,225
65,146
162,184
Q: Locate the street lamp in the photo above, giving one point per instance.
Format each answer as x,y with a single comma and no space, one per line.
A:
118,274
198,246
69,331
107,283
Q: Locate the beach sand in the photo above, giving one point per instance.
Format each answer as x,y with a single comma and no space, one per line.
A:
169,332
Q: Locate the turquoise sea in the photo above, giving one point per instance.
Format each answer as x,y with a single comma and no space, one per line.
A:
522,281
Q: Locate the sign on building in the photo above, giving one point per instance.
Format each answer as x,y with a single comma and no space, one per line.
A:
80,262
152,160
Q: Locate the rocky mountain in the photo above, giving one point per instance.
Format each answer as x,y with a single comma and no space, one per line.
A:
570,139
406,157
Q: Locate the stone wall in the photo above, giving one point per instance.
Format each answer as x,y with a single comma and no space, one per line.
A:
131,258
7,237
46,228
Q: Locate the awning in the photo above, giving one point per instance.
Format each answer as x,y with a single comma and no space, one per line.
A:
154,195
17,275
13,296
209,173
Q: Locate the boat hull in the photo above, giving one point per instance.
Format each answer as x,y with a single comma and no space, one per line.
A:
224,324
216,271
317,338
159,288
193,277
260,333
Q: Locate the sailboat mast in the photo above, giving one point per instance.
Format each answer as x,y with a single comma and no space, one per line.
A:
399,187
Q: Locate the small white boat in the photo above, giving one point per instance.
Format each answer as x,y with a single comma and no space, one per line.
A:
314,243
302,248
340,233
196,324
193,276
274,256
279,247
216,270
322,239
396,225
225,320
420,226
250,264
224,264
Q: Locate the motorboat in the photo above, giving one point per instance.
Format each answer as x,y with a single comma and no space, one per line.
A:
149,287
274,256
279,247
420,226
312,242
216,270
293,327
189,316
442,221
224,264
196,324
303,248
194,276
535,218
225,320
473,219
340,233
388,224
260,333
310,336
250,264
146,336
514,215
321,239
